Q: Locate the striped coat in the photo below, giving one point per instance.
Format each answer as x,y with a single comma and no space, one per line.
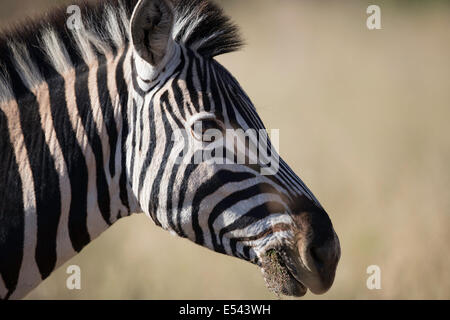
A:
94,118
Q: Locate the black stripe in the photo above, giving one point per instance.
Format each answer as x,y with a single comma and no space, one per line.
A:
190,168
246,252
151,147
141,127
233,245
170,192
189,80
12,222
178,95
133,137
155,195
85,111
215,95
203,75
122,90
108,112
46,185
75,163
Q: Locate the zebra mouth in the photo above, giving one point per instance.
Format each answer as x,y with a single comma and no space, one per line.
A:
278,275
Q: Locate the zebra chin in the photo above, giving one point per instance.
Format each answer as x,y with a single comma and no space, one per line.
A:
287,273
278,277
308,262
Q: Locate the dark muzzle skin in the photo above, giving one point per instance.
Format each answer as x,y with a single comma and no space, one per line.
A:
310,260
317,250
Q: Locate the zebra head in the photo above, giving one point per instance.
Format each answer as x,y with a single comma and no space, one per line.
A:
184,106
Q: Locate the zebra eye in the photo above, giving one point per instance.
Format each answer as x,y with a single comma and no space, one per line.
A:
200,127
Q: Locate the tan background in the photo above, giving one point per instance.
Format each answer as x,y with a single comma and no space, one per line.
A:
364,122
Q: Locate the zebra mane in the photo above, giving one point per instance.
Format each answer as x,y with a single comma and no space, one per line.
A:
203,26
37,48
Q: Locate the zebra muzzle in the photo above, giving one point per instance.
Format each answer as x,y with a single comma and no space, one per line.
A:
309,263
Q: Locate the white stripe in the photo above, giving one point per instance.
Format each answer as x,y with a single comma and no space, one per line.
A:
56,51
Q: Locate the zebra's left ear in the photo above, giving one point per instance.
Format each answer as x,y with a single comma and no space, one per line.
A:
151,30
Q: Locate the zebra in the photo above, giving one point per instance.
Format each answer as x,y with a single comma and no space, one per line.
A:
89,117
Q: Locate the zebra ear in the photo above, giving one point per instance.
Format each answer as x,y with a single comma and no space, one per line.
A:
151,30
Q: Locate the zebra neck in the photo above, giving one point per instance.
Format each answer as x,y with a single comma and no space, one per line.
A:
62,172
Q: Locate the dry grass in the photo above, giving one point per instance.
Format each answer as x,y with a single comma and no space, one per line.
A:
363,118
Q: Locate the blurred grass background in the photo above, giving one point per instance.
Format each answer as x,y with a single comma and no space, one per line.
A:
364,122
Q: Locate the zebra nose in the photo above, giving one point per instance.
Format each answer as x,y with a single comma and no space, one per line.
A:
324,250
319,250
323,260
320,255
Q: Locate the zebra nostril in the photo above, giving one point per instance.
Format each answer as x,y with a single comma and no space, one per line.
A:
320,255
